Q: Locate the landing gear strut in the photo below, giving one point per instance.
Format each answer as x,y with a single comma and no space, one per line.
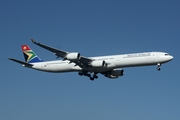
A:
158,68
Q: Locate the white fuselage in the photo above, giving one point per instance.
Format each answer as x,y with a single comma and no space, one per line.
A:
112,61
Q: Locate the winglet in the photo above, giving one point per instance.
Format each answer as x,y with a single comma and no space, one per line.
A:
34,41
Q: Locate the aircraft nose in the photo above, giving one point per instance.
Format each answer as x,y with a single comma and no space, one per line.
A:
171,57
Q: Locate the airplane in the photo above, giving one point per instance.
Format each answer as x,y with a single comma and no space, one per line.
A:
110,66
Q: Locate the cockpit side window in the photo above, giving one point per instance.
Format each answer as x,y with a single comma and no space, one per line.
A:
166,54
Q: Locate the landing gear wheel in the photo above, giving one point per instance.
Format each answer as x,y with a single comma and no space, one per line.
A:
96,76
80,73
158,68
91,78
88,75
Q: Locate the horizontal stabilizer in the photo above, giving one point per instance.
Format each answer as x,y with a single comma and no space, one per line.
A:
21,62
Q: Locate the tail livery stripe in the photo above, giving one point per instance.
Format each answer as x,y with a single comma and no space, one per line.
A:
29,55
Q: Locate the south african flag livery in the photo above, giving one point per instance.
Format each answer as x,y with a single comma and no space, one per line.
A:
29,55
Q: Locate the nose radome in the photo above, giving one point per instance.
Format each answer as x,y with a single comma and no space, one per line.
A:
171,57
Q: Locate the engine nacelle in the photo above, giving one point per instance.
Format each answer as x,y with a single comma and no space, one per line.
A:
111,76
115,73
98,63
73,56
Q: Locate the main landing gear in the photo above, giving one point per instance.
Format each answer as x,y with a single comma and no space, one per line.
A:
91,77
158,68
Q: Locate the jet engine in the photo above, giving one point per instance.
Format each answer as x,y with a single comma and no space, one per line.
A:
115,73
72,56
98,63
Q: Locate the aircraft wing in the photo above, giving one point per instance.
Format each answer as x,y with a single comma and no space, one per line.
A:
57,52
83,61
21,62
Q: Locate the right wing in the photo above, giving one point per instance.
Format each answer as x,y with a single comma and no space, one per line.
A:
82,62
21,62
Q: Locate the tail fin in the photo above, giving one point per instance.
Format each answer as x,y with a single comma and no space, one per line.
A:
29,55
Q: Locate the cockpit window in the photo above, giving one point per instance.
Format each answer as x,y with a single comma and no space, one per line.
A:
166,54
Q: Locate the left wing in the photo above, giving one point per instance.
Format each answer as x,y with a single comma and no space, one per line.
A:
73,57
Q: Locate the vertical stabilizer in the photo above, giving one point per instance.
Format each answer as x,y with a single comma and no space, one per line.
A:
29,55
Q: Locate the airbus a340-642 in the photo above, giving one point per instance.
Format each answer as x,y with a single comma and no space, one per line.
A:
110,66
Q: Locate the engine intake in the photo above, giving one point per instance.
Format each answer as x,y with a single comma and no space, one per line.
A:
72,56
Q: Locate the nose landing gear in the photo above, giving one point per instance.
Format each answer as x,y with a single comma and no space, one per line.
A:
158,68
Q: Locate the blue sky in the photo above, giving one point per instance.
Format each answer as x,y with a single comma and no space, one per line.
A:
92,28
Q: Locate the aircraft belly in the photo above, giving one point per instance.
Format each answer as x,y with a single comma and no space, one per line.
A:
99,69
